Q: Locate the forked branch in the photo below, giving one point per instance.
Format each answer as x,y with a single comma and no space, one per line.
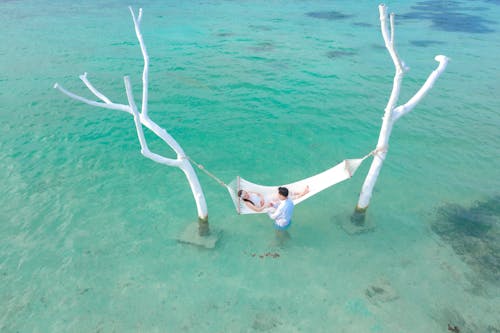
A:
142,119
393,113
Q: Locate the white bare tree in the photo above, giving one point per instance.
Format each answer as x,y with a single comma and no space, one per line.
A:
142,119
392,112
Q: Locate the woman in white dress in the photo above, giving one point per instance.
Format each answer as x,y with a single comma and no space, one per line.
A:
253,200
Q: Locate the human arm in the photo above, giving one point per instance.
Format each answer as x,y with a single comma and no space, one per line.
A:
277,212
253,207
297,195
257,199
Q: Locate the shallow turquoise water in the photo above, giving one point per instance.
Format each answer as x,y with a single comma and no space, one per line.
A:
274,92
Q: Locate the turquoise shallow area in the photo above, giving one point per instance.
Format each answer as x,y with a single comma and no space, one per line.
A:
272,91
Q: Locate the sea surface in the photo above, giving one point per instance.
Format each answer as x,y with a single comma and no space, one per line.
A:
273,91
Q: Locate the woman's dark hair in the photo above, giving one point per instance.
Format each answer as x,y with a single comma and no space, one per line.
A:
240,192
283,191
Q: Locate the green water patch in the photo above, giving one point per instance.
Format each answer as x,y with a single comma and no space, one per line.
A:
474,234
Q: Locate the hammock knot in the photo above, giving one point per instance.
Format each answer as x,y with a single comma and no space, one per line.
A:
377,152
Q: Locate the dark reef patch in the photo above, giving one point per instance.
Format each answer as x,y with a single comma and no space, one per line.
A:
450,16
474,234
328,15
459,22
225,34
378,46
262,47
362,24
339,53
260,27
425,43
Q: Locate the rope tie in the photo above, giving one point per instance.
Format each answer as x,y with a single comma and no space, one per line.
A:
202,168
382,149
376,151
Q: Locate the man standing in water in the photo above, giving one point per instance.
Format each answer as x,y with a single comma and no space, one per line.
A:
282,215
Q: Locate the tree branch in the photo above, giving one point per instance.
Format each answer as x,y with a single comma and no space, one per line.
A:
112,106
145,72
392,113
140,133
429,83
389,37
389,44
94,90
391,19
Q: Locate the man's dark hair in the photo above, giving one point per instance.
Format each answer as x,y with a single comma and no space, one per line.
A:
283,191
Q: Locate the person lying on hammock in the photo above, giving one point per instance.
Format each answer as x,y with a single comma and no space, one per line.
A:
256,202
253,200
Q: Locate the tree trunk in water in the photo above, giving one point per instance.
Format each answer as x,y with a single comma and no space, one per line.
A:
392,113
142,119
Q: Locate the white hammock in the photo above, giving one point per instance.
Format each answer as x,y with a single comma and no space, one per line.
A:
317,183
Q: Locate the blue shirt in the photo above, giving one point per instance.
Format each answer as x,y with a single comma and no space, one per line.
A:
283,214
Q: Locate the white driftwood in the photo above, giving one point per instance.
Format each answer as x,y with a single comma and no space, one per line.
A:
142,119
393,113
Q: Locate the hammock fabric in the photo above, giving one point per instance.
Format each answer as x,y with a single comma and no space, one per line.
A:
342,171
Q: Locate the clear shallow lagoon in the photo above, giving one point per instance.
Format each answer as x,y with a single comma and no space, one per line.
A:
273,92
